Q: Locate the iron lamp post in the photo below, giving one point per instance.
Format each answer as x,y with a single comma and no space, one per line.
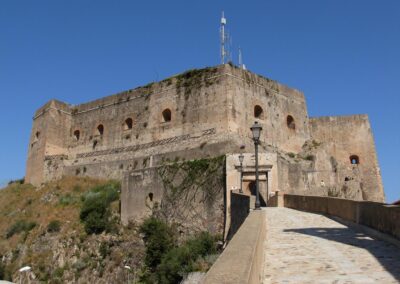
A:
241,158
256,131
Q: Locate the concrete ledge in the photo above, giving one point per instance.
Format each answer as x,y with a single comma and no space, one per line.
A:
243,259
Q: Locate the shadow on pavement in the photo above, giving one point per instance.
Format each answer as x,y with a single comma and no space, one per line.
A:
387,254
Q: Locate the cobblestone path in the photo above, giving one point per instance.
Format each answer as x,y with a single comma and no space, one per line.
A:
310,248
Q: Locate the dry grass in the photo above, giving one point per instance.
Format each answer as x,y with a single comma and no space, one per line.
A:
40,205
40,249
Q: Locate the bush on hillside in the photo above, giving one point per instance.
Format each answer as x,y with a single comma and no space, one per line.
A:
179,261
17,181
20,226
158,238
5,272
95,212
165,261
54,226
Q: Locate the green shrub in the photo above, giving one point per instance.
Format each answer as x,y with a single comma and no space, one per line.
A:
20,226
104,250
179,261
168,263
5,272
67,199
95,212
54,226
17,181
158,238
174,265
291,155
58,272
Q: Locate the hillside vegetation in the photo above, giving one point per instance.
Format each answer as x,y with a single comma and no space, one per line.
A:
67,231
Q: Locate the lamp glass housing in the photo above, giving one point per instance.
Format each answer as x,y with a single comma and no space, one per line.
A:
256,130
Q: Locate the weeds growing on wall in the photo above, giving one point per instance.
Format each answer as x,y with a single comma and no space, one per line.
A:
193,194
199,175
193,79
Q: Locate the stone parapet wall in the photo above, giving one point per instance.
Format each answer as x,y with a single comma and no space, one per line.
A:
379,216
242,260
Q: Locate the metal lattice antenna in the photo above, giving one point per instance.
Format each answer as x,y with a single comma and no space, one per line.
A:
223,39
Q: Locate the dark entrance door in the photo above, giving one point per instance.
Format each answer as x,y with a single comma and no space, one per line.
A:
252,188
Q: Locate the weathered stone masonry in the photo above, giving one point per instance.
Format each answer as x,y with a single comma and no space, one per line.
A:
207,113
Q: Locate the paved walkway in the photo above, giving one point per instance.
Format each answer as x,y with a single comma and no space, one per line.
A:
310,248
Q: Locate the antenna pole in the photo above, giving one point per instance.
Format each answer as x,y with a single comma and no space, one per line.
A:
240,58
223,38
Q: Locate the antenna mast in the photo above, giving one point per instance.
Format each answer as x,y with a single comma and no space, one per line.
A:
240,58
223,39
241,65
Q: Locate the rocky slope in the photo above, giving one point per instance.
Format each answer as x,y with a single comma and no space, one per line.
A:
41,228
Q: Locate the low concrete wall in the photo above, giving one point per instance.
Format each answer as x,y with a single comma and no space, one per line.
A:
275,200
379,216
382,217
240,207
243,259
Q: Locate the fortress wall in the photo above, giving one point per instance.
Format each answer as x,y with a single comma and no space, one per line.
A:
48,138
194,206
277,102
198,121
341,137
194,111
115,165
53,104
211,112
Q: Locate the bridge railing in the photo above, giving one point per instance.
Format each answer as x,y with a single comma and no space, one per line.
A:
382,217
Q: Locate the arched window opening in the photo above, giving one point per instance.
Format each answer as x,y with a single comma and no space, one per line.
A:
37,134
290,122
258,112
151,196
354,160
128,124
77,135
100,129
166,114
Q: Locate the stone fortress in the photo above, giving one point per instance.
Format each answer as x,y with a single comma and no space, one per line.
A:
207,113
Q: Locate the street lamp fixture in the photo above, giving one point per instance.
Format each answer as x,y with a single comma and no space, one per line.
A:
241,158
256,131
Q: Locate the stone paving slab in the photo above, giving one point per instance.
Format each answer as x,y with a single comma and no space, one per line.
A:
303,247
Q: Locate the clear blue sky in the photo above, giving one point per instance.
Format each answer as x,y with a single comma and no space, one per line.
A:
344,55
